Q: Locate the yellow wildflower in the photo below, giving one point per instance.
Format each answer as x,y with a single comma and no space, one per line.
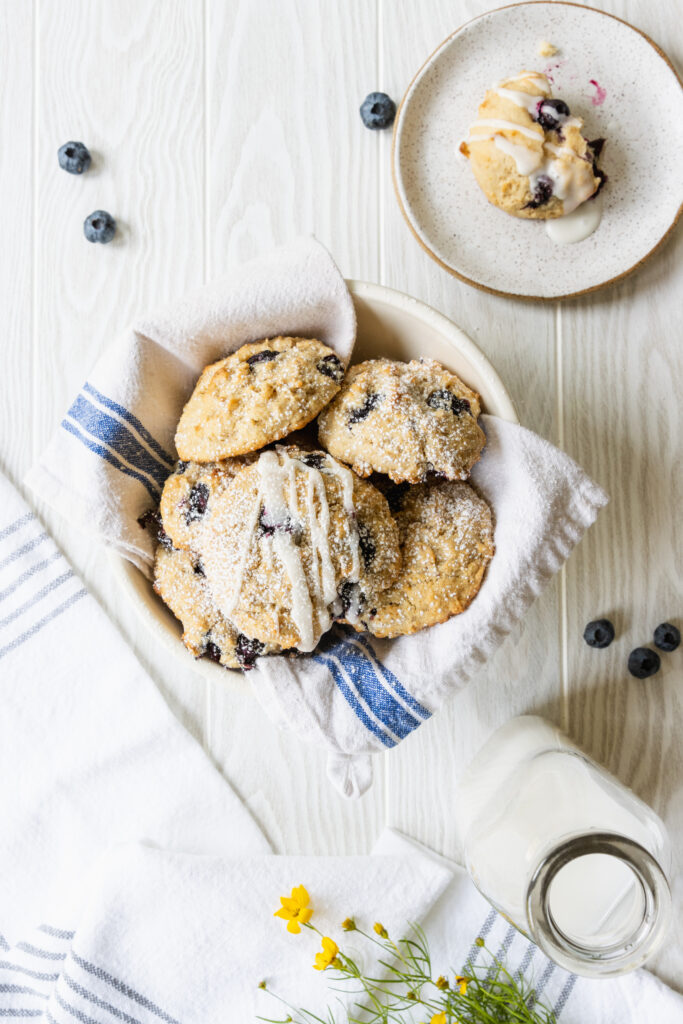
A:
328,957
438,1018
441,982
262,984
349,925
462,984
381,930
295,909
479,942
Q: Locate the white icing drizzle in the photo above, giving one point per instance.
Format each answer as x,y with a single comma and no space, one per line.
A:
525,75
345,477
522,99
277,495
494,124
577,225
527,160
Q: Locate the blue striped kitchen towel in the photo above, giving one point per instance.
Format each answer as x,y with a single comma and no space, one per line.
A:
357,697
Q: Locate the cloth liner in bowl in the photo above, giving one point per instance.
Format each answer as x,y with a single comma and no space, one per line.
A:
356,695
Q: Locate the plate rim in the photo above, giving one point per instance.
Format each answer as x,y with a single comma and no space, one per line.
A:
394,151
126,573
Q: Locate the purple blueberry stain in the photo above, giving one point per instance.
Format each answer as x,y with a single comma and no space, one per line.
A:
196,503
247,651
543,190
151,520
331,367
446,400
371,402
262,357
367,544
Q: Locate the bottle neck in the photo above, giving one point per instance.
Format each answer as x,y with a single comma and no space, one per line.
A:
598,904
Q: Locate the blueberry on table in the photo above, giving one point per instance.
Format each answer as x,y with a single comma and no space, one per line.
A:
599,633
377,110
667,637
74,157
100,226
643,662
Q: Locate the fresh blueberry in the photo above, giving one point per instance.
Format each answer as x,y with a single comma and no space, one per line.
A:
550,113
371,402
151,520
596,147
196,502
377,110
444,399
599,633
367,545
74,157
330,366
543,190
667,637
211,651
100,226
643,662
262,357
313,459
247,651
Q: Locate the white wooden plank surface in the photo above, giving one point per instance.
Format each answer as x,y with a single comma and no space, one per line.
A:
221,127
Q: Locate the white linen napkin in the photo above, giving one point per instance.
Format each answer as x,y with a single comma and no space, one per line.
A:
108,461
136,888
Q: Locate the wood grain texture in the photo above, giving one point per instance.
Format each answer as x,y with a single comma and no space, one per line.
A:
518,337
131,89
16,267
288,156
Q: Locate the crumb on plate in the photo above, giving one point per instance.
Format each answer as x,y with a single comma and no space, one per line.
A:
546,49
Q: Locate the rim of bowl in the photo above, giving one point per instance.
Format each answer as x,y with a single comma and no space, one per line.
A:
158,620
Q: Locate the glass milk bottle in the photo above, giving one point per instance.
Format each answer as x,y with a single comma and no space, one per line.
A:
565,851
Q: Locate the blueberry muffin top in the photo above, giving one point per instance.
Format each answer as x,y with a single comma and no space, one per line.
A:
403,419
528,153
446,539
257,395
293,542
180,582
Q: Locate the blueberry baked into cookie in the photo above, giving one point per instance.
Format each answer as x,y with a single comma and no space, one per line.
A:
295,540
527,151
406,420
262,546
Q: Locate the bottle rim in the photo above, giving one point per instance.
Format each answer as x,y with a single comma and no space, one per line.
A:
609,959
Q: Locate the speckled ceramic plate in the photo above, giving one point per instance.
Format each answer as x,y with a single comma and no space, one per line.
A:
610,74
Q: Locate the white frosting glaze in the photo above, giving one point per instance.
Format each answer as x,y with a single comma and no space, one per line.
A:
527,160
278,496
522,99
576,226
492,125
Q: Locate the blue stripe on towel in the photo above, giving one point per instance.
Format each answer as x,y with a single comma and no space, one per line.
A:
108,403
120,986
368,687
116,435
391,679
353,701
100,450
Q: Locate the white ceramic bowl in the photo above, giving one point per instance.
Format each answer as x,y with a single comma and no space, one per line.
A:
389,324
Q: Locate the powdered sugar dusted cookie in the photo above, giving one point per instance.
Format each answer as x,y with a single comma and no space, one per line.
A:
257,395
187,493
446,537
527,151
403,419
295,540
180,582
